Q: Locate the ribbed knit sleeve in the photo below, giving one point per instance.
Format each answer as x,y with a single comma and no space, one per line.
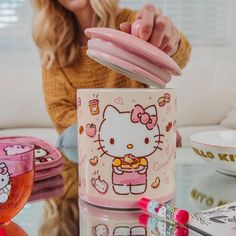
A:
60,98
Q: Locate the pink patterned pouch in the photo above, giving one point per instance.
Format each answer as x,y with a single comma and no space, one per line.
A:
48,160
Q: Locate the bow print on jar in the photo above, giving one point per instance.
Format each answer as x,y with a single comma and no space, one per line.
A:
146,116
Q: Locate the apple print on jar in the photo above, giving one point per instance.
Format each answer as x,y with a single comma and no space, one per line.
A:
91,130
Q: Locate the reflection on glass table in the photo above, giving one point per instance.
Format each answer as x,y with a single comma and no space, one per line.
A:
212,189
198,187
47,188
97,221
11,229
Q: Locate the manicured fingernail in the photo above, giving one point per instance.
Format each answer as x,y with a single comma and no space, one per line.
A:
144,36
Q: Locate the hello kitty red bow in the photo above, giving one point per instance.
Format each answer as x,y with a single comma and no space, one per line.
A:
147,116
3,169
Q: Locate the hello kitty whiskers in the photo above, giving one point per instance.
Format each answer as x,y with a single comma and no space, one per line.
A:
98,140
159,135
101,147
103,154
158,147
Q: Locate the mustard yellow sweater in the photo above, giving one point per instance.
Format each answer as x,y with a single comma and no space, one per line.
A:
60,84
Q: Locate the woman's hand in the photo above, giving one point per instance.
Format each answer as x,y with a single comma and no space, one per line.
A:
156,29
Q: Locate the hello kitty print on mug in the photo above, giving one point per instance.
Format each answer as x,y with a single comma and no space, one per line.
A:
130,152
5,186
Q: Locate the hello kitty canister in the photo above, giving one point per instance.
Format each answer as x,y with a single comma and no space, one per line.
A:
127,149
127,137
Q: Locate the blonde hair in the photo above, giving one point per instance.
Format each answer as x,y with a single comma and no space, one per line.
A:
55,29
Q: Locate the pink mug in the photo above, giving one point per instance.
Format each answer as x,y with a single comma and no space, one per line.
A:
16,178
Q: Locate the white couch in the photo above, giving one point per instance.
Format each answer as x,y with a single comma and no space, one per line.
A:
206,92
21,100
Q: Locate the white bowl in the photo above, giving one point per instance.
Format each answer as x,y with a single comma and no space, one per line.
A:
218,148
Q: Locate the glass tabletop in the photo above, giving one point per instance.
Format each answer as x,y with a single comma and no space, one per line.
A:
54,207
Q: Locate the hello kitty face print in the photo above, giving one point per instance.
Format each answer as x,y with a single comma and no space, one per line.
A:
16,149
39,152
129,137
5,186
41,155
134,132
157,208
100,230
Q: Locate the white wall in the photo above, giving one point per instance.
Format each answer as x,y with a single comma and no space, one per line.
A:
223,53
207,89
20,77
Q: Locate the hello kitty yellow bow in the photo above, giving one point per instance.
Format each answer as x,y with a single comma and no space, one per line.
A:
147,116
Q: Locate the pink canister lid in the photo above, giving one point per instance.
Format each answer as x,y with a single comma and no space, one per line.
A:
131,56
